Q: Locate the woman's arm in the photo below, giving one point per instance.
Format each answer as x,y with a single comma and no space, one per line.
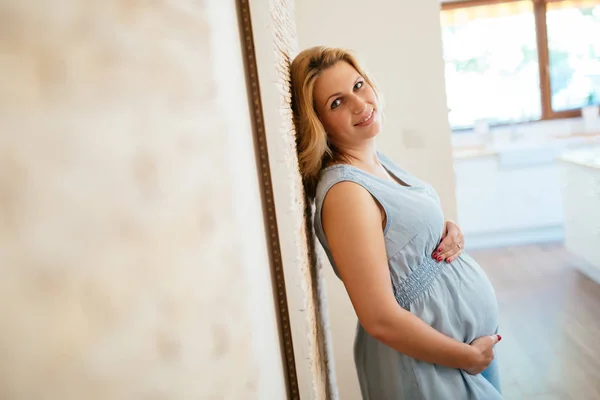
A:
352,221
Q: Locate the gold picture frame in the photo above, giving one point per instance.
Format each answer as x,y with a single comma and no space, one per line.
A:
266,186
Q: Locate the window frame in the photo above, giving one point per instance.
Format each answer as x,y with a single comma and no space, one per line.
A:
541,32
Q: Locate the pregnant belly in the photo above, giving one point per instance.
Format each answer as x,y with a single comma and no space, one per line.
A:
461,303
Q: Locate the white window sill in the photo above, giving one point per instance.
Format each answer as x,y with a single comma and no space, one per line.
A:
557,134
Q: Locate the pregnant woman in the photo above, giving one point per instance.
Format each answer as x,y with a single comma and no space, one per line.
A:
428,318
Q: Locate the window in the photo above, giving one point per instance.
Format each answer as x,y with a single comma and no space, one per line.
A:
520,60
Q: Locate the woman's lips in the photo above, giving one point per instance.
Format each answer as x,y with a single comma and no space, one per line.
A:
367,120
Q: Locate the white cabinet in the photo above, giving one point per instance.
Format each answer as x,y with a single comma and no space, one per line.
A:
507,204
512,196
580,186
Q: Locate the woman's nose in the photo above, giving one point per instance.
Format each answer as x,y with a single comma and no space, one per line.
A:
358,105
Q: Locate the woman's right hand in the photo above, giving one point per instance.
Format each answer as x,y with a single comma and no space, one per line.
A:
484,353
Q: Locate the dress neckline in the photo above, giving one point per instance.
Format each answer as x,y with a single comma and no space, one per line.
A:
396,179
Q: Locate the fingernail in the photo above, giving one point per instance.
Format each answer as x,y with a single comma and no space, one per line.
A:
499,337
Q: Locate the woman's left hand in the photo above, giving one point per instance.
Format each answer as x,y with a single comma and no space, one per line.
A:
451,245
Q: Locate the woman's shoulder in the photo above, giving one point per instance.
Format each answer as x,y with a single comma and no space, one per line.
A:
342,191
332,175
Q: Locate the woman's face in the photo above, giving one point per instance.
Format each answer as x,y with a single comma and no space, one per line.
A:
346,105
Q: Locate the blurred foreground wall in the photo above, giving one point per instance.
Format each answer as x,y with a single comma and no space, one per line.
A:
133,261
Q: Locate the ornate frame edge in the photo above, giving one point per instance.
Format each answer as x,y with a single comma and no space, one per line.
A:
266,187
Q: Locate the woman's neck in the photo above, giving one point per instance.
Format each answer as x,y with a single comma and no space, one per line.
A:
365,155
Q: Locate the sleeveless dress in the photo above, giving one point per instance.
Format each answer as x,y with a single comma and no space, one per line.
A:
455,298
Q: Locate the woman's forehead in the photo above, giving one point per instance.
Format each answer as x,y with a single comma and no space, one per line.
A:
335,79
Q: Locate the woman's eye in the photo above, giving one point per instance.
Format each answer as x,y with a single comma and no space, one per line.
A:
335,103
358,85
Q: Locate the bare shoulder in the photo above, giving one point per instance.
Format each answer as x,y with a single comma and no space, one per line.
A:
349,210
348,205
347,197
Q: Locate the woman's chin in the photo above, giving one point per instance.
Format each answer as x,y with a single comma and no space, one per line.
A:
373,129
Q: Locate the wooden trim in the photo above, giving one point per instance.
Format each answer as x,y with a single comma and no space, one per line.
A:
266,187
473,3
539,9
565,114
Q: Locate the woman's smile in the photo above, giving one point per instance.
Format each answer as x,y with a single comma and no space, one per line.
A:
368,119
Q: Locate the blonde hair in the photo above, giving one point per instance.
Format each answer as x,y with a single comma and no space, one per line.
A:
314,150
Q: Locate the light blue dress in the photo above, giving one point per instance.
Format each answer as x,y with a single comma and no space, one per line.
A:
455,298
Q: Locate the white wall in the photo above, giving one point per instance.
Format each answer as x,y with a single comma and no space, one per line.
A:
133,261
400,42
